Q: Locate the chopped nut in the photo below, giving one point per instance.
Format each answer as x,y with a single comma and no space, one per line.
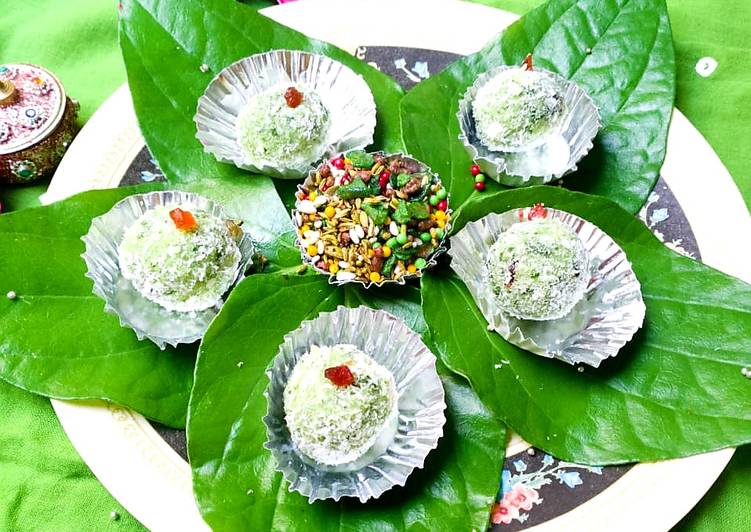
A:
426,225
413,187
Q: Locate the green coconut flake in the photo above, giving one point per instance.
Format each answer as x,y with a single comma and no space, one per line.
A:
418,210
356,189
402,179
377,213
360,159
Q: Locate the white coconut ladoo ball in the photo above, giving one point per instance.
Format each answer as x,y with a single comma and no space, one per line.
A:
271,130
538,270
180,259
337,402
517,109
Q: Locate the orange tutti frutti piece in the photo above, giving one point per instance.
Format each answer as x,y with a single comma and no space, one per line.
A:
184,220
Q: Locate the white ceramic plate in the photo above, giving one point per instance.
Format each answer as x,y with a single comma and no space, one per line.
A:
153,482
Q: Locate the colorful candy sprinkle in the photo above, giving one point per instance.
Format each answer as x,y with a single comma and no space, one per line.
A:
479,177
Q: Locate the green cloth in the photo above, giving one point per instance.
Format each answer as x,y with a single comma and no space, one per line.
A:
727,506
77,41
46,486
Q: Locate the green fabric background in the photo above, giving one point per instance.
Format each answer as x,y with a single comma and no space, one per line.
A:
44,485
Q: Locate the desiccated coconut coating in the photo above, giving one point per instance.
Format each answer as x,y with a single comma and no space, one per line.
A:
271,131
336,424
516,108
179,269
538,269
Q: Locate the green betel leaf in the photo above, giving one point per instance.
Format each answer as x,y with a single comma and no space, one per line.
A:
56,339
165,43
233,475
629,72
676,389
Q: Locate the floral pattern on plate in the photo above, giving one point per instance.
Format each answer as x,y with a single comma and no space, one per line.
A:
521,484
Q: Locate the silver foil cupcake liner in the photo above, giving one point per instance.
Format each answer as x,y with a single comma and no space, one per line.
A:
543,162
599,325
344,93
309,184
421,405
146,318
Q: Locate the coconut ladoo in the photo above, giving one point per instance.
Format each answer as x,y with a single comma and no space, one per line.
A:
182,260
526,126
538,269
336,403
283,126
279,112
518,108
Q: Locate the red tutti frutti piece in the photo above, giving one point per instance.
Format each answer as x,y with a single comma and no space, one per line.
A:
340,375
338,163
479,186
442,205
475,169
538,210
528,62
293,97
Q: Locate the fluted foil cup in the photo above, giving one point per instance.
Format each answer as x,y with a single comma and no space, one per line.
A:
601,323
400,449
345,94
541,162
146,318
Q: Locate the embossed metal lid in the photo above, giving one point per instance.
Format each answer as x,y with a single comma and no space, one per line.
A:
32,105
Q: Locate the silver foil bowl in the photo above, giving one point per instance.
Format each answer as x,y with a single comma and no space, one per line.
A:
345,94
599,325
146,318
545,161
421,405
309,185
